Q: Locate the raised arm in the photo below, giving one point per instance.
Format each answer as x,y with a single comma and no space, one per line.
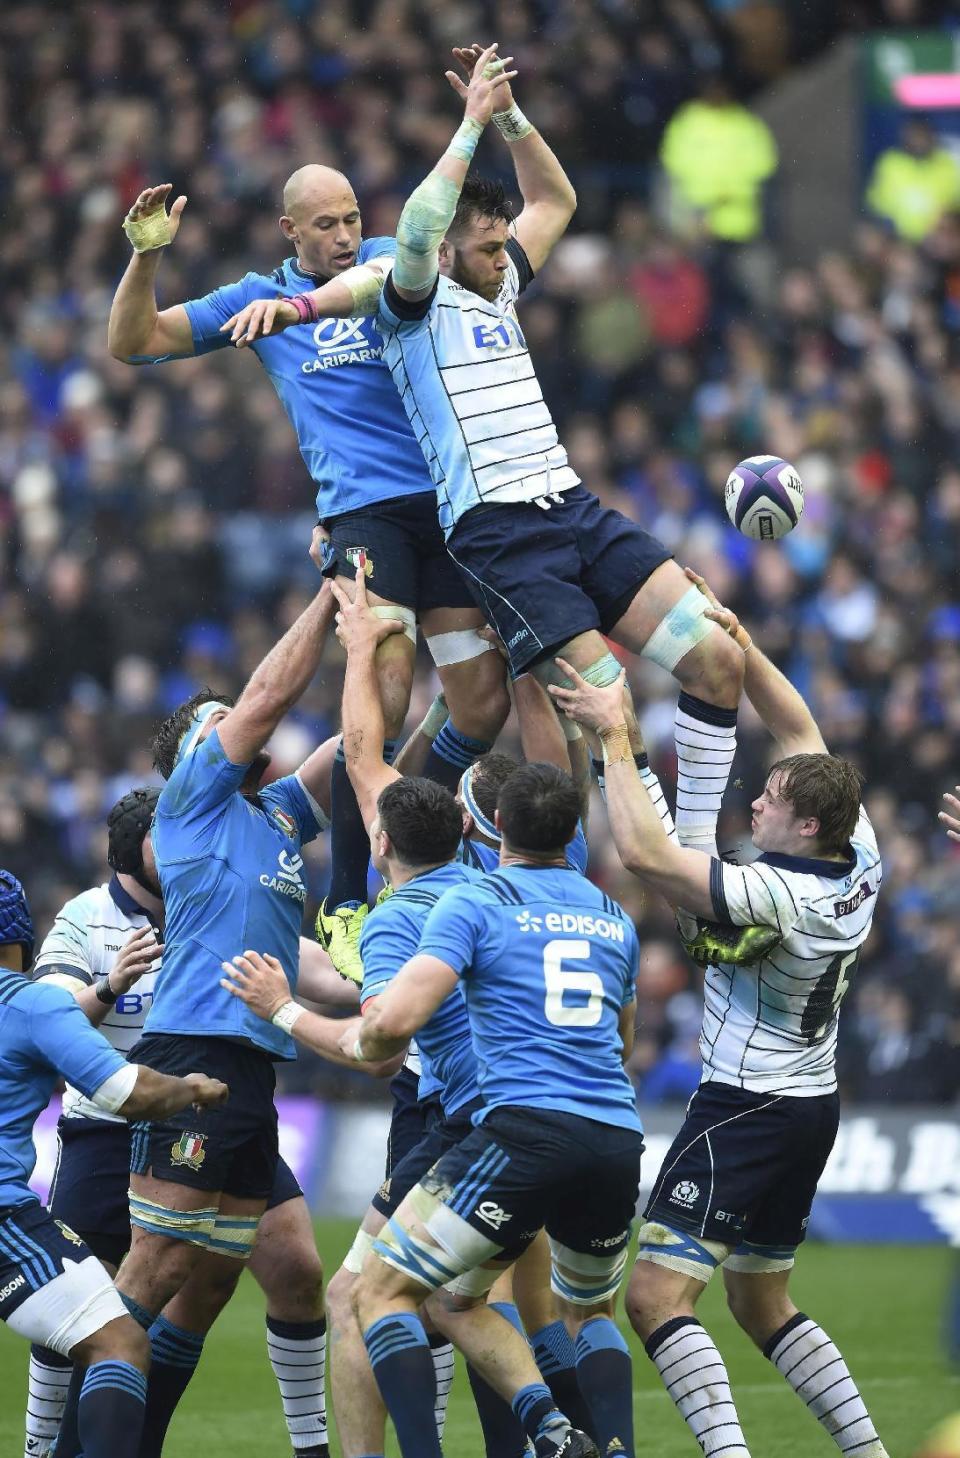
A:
360,631
780,706
549,200
137,330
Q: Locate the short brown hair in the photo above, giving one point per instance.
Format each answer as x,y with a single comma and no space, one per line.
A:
827,788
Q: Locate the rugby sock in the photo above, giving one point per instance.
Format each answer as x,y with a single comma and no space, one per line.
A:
541,1417
174,1354
349,842
441,1350
802,1352
706,740
112,1408
450,754
48,1380
605,1374
400,1357
298,1356
555,1355
694,1375
652,785
504,1435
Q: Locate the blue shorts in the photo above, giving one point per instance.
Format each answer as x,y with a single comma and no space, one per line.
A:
523,1169
230,1148
540,577
745,1166
89,1190
441,1134
35,1250
407,561
409,1118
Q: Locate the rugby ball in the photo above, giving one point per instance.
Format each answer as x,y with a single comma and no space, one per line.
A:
764,498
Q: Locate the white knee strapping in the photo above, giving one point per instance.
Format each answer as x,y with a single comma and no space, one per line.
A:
69,1308
585,1280
755,1263
457,647
406,615
681,629
603,670
676,1250
473,1283
358,1252
234,1235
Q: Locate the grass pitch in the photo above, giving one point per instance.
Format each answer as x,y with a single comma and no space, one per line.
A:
881,1304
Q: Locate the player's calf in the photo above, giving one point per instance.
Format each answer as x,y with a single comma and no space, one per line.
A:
585,1287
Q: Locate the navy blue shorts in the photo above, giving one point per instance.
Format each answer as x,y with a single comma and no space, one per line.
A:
407,560
33,1248
540,577
523,1169
231,1148
409,1118
754,1178
441,1134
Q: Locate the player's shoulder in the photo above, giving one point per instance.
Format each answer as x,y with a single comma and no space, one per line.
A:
378,247
88,907
30,998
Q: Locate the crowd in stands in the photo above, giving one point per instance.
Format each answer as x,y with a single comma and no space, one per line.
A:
154,522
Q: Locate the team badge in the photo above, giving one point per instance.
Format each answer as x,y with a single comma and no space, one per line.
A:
685,1192
188,1151
359,556
67,1233
286,822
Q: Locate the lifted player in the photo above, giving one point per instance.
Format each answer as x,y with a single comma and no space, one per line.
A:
736,1187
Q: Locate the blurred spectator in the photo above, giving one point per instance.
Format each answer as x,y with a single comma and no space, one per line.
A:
915,184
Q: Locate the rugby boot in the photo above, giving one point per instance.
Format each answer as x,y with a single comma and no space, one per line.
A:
712,942
338,932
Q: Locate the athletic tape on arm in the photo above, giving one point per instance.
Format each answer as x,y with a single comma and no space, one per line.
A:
427,214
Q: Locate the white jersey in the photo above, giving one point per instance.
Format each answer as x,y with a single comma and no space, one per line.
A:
772,1028
82,945
469,388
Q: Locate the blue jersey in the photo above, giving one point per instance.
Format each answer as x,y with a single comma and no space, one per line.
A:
487,857
43,1035
333,383
231,873
390,937
547,962
467,382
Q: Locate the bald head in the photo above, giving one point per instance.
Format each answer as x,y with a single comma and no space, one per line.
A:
321,219
312,186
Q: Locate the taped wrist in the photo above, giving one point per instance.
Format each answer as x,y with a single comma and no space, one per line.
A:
512,124
615,744
435,717
146,234
428,213
286,1015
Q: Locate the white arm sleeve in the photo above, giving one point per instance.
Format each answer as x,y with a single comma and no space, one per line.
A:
112,1095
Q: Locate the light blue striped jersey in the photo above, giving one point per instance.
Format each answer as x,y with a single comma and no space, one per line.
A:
548,961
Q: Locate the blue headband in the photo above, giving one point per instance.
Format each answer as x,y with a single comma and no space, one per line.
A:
473,809
191,738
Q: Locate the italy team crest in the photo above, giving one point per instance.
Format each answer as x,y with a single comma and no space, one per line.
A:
359,556
188,1151
286,822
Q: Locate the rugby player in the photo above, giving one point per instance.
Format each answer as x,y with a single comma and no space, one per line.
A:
375,496
105,943
229,863
736,1186
53,1290
552,570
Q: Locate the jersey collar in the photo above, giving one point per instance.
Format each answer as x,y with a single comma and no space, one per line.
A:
124,902
809,866
313,279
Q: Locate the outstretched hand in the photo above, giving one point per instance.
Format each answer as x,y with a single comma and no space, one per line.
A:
359,629
260,319
148,225
724,617
259,981
595,708
467,58
488,87
951,821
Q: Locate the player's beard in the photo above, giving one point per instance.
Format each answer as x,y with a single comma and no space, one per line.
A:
256,772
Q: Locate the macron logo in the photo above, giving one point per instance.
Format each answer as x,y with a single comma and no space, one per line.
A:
528,923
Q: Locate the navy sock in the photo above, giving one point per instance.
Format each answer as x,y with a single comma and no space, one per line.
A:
400,1357
174,1356
111,1412
349,842
504,1435
450,754
68,1439
541,1417
140,1314
605,1374
554,1353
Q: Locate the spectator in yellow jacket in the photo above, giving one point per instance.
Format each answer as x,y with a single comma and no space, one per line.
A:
913,185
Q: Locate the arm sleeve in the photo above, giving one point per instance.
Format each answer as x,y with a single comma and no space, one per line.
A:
522,275
755,895
453,928
208,314
578,852
113,1094
395,311
632,970
290,797
66,947
387,941
68,1042
201,782
864,834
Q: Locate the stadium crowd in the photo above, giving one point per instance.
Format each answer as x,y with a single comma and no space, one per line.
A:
154,523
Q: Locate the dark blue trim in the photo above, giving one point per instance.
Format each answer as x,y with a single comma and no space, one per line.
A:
808,865
717,894
124,902
706,713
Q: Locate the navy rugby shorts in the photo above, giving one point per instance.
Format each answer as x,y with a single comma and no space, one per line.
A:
407,561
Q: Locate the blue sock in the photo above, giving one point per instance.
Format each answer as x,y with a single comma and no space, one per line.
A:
349,842
68,1441
605,1373
140,1314
174,1354
450,754
111,1411
504,1435
400,1357
541,1417
554,1354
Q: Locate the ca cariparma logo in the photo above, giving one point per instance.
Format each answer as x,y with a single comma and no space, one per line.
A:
342,342
188,1151
287,879
339,334
685,1192
528,923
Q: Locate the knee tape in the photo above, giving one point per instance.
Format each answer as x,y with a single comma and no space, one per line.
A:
417,1258
193,1226
586,1280
474,1283
677,1250
459,647
761,1260
358,1252
234,1235
406,615
603,670
680,630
